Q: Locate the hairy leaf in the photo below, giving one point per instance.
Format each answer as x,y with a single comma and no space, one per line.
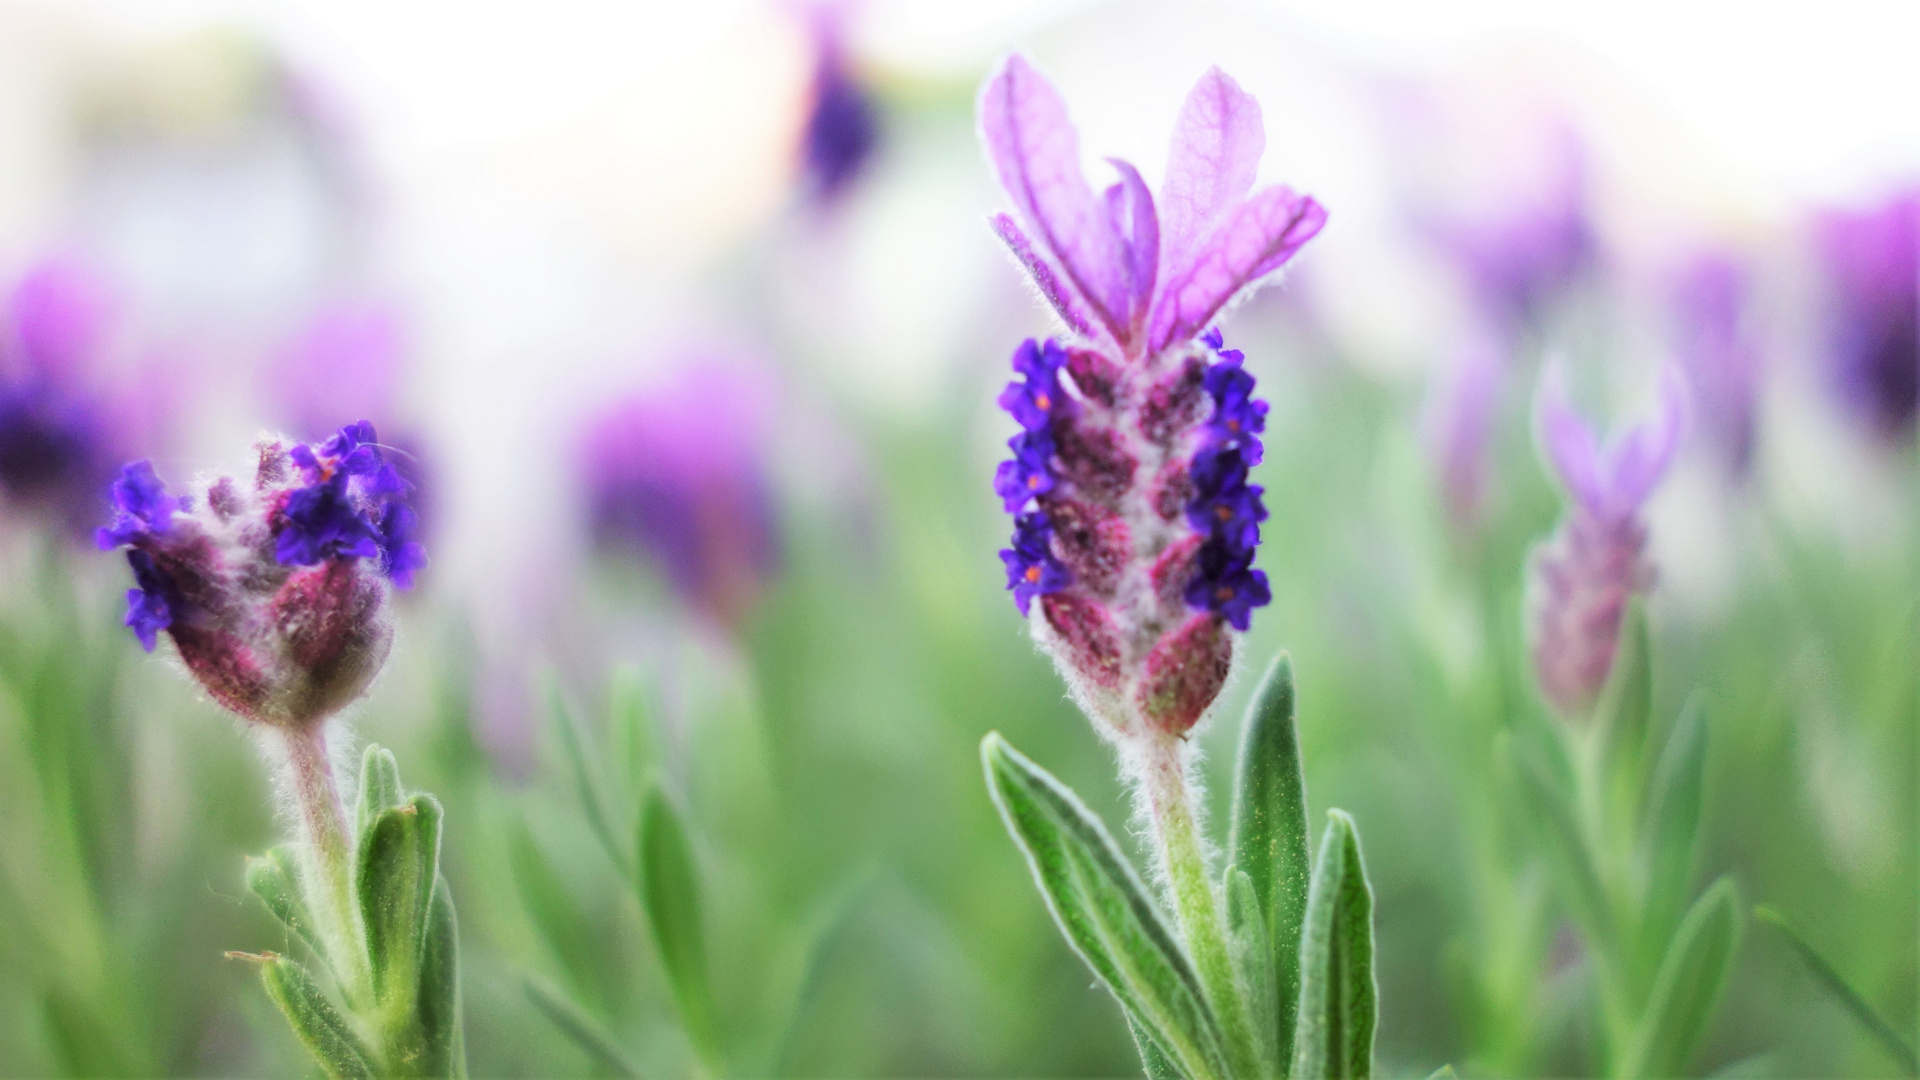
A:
1333,1037
399,860
1253,963
325,1033
380,788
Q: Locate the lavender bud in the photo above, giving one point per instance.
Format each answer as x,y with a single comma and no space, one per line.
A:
274,593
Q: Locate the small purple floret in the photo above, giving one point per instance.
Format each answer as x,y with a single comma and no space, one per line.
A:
142,507
350,508
1226,583
401,554
149,609
1225,507
1032,569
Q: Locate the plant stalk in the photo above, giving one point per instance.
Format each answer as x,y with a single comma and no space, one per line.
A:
1196,904
329,840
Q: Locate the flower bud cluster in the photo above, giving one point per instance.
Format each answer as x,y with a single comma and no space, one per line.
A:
1135,525
274,591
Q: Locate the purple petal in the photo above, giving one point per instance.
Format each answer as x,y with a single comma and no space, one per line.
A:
1217,143
1044,278
1638,460
1569,444
1130,206
1036,153
1249,242
59,313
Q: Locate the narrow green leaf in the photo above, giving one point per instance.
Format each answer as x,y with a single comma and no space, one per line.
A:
399,859
562,923
275,879
1101,907
380,788
1568,851
1333,1038
1253,965
442,1031
1688,985
670,894
1626,704
1673,823
1157,1064
586,778
1836,984
1269,834
325,1033
576,1024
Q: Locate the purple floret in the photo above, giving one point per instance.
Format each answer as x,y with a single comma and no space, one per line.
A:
323,523
1038,399
1028,475
149,605
1226,583
401,554
142,507
1032,569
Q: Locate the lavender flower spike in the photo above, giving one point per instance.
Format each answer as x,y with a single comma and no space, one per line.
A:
1584,577
1872,259
274,588
1137,523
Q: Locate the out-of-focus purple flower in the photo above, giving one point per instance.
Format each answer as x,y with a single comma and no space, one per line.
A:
55,427
1584,577
274,589
1519,256
843,123
1872,260
677,475
1461,411
1719,355
1136,438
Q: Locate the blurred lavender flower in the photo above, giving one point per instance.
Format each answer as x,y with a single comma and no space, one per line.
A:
1719,355
843,124
1872,260
274,590
676,475
348,360
1462,407
1136,438
1584,577
55,428
1519,255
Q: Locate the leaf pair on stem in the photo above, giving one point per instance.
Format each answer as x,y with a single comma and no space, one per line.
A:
1298,1000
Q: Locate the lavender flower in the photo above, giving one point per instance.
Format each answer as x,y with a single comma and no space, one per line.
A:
843,126
274,591
1872,259
1584,577
1461,410
1719,355
1136,523
53,429
676,475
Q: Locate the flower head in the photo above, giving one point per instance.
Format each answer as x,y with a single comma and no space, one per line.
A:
843,125
1584,578
1136,523
676,475
1872,260
1719,355
54,427
274,590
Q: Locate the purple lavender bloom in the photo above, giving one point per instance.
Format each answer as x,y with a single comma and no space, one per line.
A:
676,475
274,591
53,429
1135,459
1584,578
1461,407
843,127
1032,569
1872,259
1719,356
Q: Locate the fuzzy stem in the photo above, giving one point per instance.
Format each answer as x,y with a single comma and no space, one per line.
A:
323,823
1196,904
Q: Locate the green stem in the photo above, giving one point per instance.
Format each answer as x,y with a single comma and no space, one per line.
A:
1197,906
323,824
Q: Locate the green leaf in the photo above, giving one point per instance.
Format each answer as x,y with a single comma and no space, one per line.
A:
1688,984
576,1024
1544,789
670,894
1837,985
380,788
1626,704
1673,823
1253,965
586,778
1334,1034
442,1033
1444,1072
325,1033
1157,1064
275,879
562,923
1269,835
1103,910
399,860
